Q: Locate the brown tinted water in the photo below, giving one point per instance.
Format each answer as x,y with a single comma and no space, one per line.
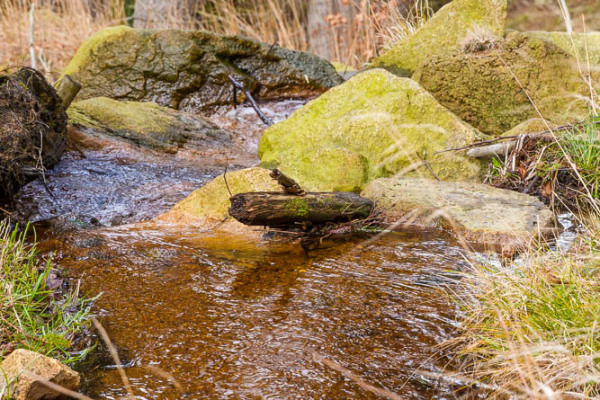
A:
201,316
229,319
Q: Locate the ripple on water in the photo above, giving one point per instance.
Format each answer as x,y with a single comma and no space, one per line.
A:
232,320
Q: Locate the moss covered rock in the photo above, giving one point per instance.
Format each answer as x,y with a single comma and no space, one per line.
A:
443,32
147,124
190,69
494,90
210,203
585,46
376,124
477,214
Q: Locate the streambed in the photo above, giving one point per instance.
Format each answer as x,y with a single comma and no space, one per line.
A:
198,315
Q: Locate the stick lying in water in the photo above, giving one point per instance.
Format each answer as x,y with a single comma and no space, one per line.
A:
239,85
355,378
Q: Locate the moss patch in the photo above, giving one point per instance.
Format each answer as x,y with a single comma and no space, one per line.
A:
443,32
190,69
376,124
147,124
481,87
584,46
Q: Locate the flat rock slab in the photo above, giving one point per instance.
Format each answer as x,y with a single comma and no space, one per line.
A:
148,124
479,215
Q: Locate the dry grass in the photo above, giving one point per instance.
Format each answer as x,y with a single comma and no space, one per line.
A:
532,330
62,25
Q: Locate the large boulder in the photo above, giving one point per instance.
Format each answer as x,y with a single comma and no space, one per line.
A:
190,69
147,124
23,374
444,32
477,214
33,127
586,46
209,205
376,124
498,89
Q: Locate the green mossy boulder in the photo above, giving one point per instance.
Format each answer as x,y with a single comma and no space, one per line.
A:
443,33
585,46
493,90
147,124
190,69
477,214
376,124
210,203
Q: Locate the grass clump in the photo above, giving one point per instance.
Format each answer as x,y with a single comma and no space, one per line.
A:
562,168
533,328
36,312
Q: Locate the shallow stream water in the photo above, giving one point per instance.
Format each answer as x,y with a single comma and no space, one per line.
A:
201,316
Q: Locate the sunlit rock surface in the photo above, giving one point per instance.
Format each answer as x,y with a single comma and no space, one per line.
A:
26,370
477,214
443,32
498,89
376,124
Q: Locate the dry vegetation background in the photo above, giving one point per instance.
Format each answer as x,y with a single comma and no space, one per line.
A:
358,30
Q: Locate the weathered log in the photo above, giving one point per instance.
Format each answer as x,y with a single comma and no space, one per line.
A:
280,209
67,88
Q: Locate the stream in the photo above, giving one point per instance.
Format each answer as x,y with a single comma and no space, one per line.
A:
195,315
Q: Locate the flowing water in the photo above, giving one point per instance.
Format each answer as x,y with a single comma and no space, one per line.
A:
237,320
201,316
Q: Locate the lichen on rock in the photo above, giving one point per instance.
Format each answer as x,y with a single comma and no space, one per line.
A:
147,124
376,124
210,204
477,214
190,69
443,33
586,46
496,90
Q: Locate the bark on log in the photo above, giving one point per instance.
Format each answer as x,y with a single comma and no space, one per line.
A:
280,209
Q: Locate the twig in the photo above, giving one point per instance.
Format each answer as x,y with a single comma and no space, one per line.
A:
214,226
115,355
515,137
225,179
491,150
31,41
239,85
352,376
55,387
426,163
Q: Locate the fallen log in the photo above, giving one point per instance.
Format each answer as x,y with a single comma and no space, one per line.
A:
281,209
